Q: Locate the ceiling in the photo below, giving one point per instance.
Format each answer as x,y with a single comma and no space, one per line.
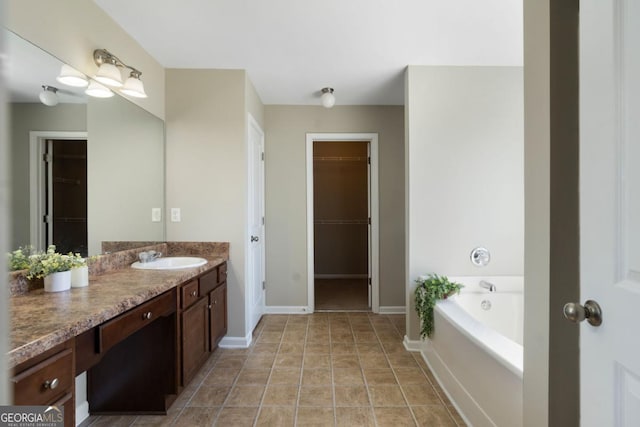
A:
291,49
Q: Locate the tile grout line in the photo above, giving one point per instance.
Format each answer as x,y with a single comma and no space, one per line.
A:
364,378
404,396
275,358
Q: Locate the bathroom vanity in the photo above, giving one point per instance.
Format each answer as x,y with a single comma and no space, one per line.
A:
140,335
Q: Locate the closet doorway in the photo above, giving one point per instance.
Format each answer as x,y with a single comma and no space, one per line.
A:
341,245
58,187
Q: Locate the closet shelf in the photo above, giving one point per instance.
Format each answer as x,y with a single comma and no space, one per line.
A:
341,221
69,219
340,159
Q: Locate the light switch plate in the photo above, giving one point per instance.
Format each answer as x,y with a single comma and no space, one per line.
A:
156,214
175,214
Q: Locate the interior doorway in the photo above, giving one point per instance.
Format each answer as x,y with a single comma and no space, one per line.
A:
341,225
65,220
59,191
373,302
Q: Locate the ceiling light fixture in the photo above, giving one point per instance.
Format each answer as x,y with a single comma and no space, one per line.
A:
327,98
97,90
109,73
48,96
71,77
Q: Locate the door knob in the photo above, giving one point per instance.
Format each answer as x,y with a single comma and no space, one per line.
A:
254,238
576,313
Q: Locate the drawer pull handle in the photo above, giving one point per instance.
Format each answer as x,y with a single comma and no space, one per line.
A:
215,301
147,315
209,306
51,384
194,293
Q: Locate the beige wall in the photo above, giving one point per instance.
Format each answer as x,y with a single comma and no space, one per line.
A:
286,242
465,172
125,162
206,129
25,118
72,29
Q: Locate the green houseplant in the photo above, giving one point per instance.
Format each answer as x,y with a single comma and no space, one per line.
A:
19,259
54,267
429,290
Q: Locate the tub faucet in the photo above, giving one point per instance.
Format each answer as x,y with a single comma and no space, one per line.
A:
488,285
149,256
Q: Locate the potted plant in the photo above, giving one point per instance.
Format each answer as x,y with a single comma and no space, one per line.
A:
79,272
19,259
429,290
54,267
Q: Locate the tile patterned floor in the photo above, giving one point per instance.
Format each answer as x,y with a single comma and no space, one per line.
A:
324,369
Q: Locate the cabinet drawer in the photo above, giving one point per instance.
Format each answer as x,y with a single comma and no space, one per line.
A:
208,281
189,294
114,331
41,383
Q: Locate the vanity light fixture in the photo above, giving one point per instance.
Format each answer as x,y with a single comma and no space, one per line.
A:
97,90
327,98
109,73
72,77
48,96
133,86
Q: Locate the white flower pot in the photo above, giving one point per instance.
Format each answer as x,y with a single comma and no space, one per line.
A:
80,277
57,282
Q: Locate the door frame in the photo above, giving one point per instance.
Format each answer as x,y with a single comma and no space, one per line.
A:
372,139
37,206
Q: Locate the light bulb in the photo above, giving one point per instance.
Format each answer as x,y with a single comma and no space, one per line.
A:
109,74
96,90
48,96
133,86
327,98
72,77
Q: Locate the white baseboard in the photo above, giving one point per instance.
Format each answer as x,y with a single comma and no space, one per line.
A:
392,309
415,345
82,412
286,309
236,342
340,276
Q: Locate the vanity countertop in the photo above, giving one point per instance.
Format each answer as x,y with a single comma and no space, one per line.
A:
40,321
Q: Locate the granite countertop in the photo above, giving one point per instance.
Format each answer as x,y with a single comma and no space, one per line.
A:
40,321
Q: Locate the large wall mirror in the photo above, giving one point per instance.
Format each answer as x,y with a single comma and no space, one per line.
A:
83,171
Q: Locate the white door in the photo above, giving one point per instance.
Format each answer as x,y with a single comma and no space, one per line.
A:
255,223
610,211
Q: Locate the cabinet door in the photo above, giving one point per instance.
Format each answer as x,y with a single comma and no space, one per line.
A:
195,338
218,305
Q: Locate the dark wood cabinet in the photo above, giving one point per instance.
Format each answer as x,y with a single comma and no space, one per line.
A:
133,364
195,338
138,361
48,379
217,315
203,323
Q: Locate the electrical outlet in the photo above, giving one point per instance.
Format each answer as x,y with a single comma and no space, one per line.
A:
156,214
175,214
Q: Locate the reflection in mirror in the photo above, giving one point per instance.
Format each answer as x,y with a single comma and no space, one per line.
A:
105,169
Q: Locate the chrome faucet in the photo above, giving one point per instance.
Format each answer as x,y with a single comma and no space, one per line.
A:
488,285
149,256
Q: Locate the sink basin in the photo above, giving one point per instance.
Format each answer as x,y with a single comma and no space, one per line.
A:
170,263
